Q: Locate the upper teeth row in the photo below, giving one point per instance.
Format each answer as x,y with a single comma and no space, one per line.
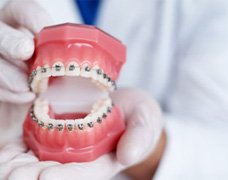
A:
38,80
100,110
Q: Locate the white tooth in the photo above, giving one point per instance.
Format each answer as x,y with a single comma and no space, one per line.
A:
96,105
37,105
79,122
88,119
39,84
41,102
36,111
108,102
85,73
50,120
100,77
38,101
50,123
45,109
70,122
45,71
38,72
94,74
43,85
104,81
93,117
44,117
109,85
104,109
40,80
73,69
38,69
100,112
41,122
41,109
35,82
60,122
39,113
58,69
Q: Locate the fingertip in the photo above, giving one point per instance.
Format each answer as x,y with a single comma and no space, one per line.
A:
133,145
28,97
17,174
130,157
22,98
51,173
34,168
25,48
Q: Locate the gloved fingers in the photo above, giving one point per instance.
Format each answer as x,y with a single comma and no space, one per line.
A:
16,98
11,150
26,32
15,45
27,13
144,125
22,159
101,169
137,141
12,78
34,169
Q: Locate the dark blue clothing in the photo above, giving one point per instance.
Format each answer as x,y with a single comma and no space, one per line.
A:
88,10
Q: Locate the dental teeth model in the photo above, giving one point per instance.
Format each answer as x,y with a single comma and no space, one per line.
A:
72,72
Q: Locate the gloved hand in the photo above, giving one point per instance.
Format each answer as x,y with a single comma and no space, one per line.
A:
18,21
144,126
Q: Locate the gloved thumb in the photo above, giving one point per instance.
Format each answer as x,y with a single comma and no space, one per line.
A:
143,125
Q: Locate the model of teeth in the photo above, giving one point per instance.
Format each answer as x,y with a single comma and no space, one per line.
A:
73,70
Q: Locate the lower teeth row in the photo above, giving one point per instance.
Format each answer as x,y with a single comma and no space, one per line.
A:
69,126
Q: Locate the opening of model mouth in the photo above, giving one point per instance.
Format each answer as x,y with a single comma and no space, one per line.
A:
71,98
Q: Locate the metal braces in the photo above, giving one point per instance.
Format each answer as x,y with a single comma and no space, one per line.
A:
69,127
71,68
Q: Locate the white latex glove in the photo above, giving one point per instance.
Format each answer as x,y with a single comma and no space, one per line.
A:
19,20
144,126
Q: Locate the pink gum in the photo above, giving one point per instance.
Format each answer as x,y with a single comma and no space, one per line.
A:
78,145
85,43
50,53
